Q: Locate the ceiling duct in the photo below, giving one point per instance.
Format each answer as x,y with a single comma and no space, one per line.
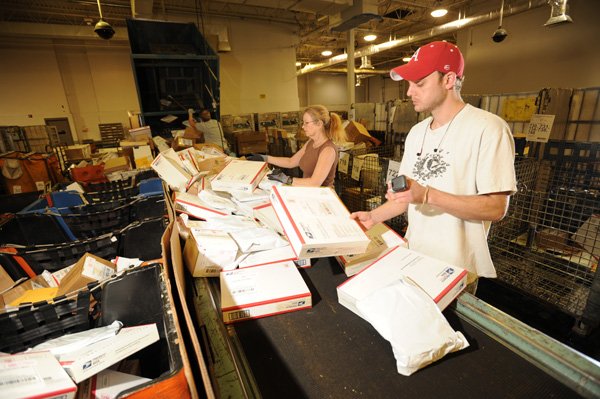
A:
360,12
558,13
365,62
222,33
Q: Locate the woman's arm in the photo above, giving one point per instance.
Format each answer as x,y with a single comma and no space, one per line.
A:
287,162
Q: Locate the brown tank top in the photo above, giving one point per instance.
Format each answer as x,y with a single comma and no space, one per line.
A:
309,161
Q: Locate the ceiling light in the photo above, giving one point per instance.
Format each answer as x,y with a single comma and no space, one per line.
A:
370,37
326,53
298,63
439,12
406,59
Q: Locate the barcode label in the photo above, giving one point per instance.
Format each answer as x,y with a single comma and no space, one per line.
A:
212,270
18,376
240,314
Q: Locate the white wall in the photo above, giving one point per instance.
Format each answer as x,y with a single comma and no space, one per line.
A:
259,74
31,86
534,56
73,77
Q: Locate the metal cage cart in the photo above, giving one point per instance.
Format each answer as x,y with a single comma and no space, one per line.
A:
361,180
548,245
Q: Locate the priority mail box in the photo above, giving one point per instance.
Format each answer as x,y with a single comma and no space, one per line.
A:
441,281
108,384
34,375
239,175
173,174
207,252
316,222
382,238
89,360
192,205
260,291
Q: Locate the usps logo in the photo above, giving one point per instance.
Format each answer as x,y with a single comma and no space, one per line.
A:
300,303
87,365
446,273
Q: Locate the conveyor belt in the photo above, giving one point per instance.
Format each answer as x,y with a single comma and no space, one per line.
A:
329,352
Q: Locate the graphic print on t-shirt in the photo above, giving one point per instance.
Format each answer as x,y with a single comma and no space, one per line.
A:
430,166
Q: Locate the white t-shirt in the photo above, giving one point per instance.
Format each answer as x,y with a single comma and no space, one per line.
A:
212,133
475,155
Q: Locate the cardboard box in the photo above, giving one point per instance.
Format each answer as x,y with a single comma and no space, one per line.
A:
34,375
108,384
192,205
382,238
262,291
239,175
441,281
116,165
207,252
20,288
212,165
173,174
89,360
88,268
181,143
316,222
588,235
77,152
142,156
141,133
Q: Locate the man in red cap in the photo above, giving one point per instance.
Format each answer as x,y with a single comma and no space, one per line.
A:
459,164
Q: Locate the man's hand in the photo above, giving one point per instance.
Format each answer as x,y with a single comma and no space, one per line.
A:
364,218
415,193
279,176
257,157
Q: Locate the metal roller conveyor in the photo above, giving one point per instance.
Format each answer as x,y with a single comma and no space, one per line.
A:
329,352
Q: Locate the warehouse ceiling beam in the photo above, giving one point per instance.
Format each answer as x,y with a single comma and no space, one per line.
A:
423,35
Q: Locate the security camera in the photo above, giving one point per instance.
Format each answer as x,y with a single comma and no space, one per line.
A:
104,30
499,35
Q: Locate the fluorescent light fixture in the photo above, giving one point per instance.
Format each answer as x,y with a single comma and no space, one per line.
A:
370,37
406,59
439,12
326,53
298,63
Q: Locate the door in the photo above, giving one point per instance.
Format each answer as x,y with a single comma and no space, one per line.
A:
63,129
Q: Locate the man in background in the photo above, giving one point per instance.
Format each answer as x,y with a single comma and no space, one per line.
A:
210,128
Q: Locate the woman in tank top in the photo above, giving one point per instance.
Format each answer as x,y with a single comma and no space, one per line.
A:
318,158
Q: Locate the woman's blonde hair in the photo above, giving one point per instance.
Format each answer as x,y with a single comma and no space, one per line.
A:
332,123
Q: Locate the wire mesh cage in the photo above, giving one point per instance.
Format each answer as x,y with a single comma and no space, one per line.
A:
548,245
361,180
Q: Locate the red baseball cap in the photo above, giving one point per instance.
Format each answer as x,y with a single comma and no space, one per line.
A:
436,56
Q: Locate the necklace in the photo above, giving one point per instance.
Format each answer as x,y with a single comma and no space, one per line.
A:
443,136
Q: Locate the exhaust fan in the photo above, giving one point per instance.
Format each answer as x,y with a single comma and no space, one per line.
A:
360,12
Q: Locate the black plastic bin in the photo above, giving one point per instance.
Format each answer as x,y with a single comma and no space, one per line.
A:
142,239
31,229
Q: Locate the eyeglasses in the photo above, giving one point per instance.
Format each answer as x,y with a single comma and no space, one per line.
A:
306,123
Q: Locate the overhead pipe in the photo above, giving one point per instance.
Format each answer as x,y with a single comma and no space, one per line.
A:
449,27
